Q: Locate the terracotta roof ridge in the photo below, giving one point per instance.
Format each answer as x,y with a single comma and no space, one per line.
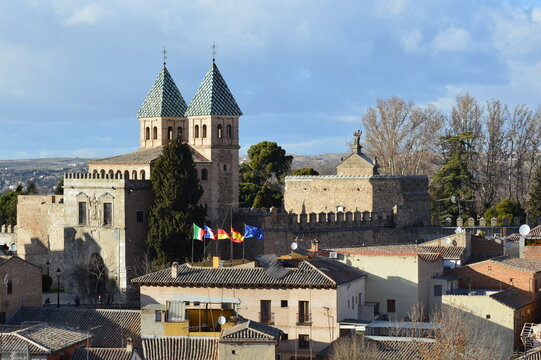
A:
319,271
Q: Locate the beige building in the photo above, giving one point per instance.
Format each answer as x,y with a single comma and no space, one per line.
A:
506,310
95,233
398,276
306,302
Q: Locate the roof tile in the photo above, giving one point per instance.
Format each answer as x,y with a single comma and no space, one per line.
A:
163,99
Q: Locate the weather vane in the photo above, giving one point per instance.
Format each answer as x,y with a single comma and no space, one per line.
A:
213,51
164,52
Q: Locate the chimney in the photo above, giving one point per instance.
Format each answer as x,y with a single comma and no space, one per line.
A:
174,270
129,345
315,246
215,261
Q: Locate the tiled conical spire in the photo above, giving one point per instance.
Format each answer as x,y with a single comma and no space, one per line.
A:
163,99
213,97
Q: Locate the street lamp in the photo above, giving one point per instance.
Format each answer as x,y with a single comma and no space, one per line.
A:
58,287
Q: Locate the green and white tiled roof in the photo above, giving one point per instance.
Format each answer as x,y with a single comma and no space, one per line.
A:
213,97
163,99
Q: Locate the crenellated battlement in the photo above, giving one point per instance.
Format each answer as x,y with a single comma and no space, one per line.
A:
7,229
274,218
95,175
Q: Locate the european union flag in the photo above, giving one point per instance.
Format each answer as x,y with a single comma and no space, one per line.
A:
252,231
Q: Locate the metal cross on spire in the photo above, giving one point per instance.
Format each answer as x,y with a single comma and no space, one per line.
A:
213,52
164,52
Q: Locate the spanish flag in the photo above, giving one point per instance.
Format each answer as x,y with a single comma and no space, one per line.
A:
236,236
222,235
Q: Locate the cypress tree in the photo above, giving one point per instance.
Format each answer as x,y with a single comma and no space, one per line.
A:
177,192
454,178
533,206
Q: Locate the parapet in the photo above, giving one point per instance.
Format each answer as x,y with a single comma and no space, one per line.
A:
7,229
314,177
97,179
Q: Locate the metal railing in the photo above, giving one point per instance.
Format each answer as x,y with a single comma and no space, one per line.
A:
304,318
266,318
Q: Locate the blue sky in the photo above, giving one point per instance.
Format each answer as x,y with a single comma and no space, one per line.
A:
73,74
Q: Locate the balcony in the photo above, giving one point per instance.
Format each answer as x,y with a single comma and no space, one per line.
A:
266,318
304,319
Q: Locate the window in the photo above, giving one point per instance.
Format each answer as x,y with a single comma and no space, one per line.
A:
219,131
437,290
147,133
196,131
169,133
126,175
179,132
155,133
391,306
487,316
233,352
140,216
204,131
511,281
489,268
134,174
353,302
304,312
283,303
82,213
142,174
204,174
229,131
284,336
265,315
304,341
2,317
107,214
10,286
158,316
225,167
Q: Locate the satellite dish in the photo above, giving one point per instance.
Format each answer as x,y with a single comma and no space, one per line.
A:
447,240
524,230
221,320
453,199
13,247
458,230
294,246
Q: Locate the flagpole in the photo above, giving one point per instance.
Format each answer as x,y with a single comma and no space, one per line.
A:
192,247
230,228
243,240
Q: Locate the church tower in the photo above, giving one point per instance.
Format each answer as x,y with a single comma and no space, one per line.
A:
161,117
213,120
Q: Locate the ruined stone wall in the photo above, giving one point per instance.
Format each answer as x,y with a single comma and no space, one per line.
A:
314,194
40,231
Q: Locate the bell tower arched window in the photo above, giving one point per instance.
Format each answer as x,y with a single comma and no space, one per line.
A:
179,132
169,133
229,131
196,131
204,131
147,133
220,131
155,133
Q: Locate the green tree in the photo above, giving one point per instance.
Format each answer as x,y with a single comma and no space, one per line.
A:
8,203
506,208
533,206
304,171
454,178
32,189
263,175
59,189
177,192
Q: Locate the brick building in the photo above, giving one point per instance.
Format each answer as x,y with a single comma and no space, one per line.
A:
501,273
20,285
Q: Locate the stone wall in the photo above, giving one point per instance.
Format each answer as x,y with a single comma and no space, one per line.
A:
25,281
314,194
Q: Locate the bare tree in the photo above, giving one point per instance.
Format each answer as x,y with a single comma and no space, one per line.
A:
93,279
354,348
492,160
465,116
524,144
401,136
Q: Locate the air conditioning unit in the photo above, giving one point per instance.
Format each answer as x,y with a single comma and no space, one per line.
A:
333,255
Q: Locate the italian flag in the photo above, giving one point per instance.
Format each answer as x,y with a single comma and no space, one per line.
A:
222,234
236,236
198,233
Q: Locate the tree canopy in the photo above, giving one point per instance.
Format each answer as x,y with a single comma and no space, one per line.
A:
533,206
177,192
261,178
8,203
304,171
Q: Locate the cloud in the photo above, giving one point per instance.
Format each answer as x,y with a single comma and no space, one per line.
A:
452,39
87,15
390,8
411,41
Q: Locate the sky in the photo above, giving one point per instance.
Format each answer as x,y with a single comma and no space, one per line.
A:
73,74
